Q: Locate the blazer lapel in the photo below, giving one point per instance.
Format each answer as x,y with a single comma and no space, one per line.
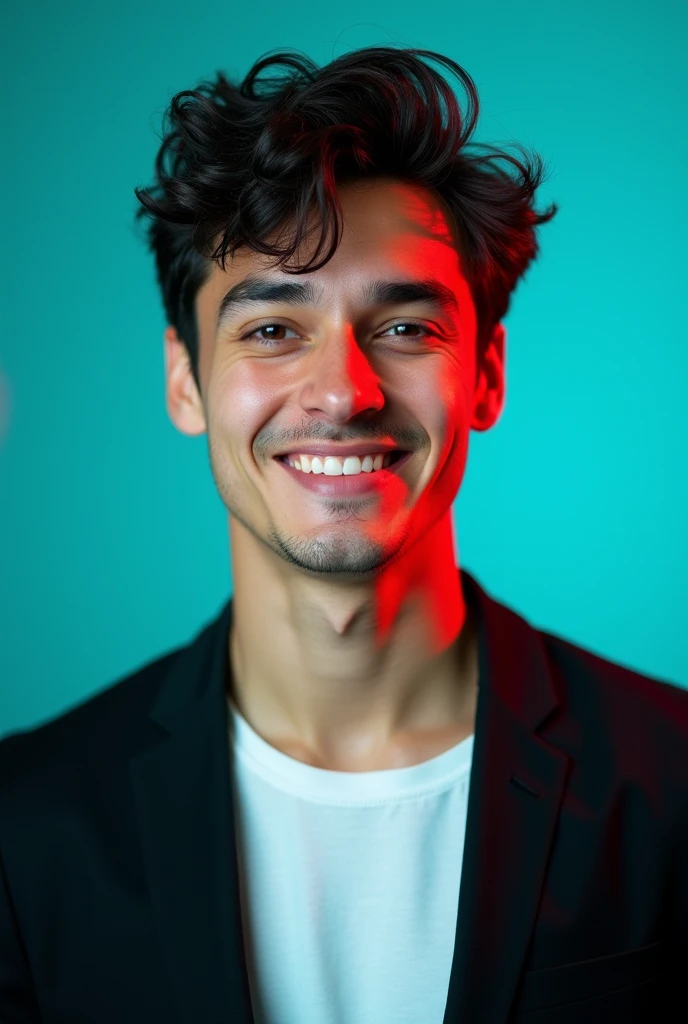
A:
516,788
185,813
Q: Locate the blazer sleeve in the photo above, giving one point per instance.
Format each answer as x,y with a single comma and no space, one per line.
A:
681,896
18,1003
677,888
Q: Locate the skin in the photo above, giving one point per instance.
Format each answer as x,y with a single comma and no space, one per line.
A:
351,648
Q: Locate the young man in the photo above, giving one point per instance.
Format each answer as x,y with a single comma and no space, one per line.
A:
367,792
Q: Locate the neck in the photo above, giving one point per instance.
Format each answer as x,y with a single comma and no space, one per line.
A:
341,672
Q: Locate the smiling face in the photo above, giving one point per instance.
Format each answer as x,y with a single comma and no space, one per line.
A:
340,358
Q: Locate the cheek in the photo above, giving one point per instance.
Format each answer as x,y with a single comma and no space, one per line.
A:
438,393
447,412
243,399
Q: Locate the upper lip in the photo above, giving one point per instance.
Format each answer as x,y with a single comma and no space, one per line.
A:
339,450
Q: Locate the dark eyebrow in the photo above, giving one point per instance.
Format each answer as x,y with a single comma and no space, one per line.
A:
256,289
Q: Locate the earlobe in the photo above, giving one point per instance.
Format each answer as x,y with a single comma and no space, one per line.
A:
184,405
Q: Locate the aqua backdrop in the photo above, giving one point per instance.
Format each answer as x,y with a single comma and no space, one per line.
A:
573,509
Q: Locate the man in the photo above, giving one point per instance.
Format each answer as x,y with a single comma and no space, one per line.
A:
367,792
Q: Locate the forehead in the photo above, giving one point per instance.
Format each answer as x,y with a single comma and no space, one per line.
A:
389,228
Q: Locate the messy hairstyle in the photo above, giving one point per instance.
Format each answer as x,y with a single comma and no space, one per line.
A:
243,163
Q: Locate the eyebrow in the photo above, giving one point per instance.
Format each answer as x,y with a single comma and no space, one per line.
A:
258,289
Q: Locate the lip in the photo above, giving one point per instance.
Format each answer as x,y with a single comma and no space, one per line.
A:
344,486
342,450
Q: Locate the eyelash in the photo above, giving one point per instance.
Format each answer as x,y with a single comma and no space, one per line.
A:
269,343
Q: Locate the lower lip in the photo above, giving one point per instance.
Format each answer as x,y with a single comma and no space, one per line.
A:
343,486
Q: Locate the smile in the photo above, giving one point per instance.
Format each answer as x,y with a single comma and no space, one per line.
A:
342,477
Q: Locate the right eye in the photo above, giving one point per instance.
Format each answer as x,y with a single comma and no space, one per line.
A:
266,342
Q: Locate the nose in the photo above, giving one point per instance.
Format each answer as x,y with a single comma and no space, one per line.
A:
340,381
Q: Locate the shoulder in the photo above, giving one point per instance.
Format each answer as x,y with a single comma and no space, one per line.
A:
59,755
635,717
618,681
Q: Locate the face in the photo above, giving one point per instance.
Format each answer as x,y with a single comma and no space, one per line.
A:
343,365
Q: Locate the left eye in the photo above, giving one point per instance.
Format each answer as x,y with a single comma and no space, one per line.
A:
273,341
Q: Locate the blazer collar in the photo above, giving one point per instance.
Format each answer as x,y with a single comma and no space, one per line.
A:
185,805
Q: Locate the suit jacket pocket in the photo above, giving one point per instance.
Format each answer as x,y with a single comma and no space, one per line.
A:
582,979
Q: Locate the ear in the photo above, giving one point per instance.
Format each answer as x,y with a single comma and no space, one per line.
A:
184,405
488,399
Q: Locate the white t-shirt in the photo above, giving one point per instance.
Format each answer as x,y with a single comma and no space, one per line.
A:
349,883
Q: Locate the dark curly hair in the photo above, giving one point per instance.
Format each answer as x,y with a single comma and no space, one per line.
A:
247,160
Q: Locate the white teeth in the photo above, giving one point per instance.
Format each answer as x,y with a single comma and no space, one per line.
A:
352,465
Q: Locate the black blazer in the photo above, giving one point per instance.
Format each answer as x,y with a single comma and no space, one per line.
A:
119,892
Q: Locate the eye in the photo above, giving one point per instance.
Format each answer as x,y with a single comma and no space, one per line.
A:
409,323
270,342
273,341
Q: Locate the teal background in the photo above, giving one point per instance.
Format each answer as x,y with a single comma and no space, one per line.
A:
573,508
